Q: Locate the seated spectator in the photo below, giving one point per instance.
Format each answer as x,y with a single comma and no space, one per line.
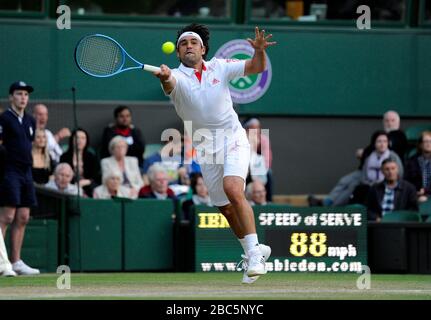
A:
200,195
256,193
111,187
128,166
371,171
171,158
123,127
63,175
260,149
189,153
418,168
350,184
40,113
83,162
43,166
397,138
158,188
391,194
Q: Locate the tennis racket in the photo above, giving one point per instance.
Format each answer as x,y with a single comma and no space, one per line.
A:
101,56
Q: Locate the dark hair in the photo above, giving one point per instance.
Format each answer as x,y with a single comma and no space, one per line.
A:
194,180
390,159
372,146
202,31
72,144
120,109
377,134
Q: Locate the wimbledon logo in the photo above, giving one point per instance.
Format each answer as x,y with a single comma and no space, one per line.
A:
249,88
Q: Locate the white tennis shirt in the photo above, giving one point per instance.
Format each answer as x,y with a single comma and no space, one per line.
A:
207,103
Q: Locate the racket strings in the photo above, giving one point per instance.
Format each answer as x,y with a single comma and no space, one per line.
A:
99,56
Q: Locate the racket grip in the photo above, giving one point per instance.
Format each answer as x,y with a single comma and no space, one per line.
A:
149,68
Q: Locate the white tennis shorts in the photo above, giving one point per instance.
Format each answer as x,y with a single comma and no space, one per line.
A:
235,162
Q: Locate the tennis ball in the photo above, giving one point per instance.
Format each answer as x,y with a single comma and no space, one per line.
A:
168,47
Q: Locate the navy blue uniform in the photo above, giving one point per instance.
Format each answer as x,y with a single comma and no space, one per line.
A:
17,134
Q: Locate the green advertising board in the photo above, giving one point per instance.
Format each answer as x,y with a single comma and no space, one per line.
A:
301,239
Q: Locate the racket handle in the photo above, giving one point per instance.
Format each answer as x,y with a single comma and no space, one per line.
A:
149,68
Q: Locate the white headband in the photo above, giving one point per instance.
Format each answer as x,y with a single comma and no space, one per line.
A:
190,33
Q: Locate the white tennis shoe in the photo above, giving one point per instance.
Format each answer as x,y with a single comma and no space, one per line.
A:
8,273
266,252
22,269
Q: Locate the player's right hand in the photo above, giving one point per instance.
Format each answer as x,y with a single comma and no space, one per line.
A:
164,73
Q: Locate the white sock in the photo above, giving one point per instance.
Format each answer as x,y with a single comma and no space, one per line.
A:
251,244
243,245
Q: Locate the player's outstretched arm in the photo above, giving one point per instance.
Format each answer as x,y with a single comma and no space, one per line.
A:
167,80
257,64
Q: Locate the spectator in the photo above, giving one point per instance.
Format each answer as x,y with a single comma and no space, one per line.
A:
397,138
123,127
128,166
371,171
6,269
256,193
341,194
418,168
171,158
260,148
40,113
158,188
391,194
83,162
200,195
43,166
63,175
111,187
17,192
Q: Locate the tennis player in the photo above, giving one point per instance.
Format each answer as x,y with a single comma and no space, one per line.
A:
200,93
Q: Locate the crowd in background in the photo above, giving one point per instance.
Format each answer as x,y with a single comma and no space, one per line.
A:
391,176
65,161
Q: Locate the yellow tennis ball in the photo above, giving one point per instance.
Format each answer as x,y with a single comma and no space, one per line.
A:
168,47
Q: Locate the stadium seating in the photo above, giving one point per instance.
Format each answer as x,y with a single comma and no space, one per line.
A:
401,216
425,210
413,133
152,148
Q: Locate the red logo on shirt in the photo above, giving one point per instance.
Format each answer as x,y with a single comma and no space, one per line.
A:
215,81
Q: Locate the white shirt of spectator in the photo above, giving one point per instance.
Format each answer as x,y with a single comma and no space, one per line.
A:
71,188
208,104
129,140
55,151
258,169
160,196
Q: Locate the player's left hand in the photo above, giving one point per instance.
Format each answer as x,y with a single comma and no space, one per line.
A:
260,41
